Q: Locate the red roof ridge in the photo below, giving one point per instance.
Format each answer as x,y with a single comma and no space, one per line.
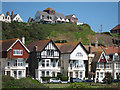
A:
8,40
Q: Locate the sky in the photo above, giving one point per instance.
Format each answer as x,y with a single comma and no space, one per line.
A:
93,13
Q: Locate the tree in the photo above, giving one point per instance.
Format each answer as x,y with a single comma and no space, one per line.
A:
108,78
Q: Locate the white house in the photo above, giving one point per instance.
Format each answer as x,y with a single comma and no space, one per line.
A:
8,18
14,57
44,60
74,59
109,61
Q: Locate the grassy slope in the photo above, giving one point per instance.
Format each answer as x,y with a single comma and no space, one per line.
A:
32,32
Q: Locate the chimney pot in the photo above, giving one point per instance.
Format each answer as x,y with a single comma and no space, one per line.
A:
23,40
7,13
12,13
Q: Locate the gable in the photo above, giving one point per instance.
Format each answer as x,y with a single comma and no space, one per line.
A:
73,16
79,53
20,43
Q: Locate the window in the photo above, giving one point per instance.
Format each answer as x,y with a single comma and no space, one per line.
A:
20,73
50,52
117,65
97,65
47,73
80,74
48,17
43,73
101,65
47,63
38,55
3,17
8,18
76,64
108,65
79,54
116,57
43,63
97,74
101,74
8,63
17,52
76,74
15,64
20,62
54,63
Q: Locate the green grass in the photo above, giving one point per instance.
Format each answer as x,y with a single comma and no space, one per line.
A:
33,32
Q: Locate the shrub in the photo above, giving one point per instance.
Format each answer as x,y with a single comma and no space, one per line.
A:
64,78
108,78
7,78
23,83
48,78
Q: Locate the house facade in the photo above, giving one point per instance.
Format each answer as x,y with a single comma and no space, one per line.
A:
44,59
116,29
109,61
74,59
14,57
8,18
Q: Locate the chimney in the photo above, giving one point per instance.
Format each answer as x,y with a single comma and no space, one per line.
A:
7,13
96,43
90,48
12,13
23,40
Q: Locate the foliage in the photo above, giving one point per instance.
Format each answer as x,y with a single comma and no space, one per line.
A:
118,77
115,35
48,78
23,83
64,78
33,31
7,78
108,78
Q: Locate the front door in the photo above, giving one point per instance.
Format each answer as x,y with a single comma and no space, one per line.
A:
8,73
71,74
15,74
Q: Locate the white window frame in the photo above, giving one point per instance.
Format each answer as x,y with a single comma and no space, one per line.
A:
117,65
97,74
101,74
17,52
101,65
108,65
79,54
81,74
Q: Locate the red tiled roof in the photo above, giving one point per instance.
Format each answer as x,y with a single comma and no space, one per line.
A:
66,47
7,43
40,45
116,27
111,50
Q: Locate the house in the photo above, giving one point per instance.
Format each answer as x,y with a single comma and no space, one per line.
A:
8,18
74,59
51,16
44,59
14,57
116,29
109,61
5,18
72,18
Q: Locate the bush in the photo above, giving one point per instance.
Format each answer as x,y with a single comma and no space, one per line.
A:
7,78
48,78
23,83
64,78
108,78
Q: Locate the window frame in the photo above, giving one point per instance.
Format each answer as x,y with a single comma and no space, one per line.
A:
17,52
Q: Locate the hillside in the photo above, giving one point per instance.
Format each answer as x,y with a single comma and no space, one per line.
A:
32,32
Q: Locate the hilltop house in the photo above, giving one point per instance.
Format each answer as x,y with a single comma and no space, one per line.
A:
8,18
109,61
14,57
74,60
50,16
44,59
116,29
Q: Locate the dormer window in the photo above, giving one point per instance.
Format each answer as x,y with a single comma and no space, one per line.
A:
17,52
116,57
